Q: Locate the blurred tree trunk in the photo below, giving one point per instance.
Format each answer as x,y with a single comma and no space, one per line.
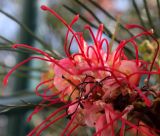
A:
17,123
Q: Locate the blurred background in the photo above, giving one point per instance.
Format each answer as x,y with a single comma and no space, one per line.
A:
22,21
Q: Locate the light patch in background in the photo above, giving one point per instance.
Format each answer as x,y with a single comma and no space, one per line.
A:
8,28
10,60
122,5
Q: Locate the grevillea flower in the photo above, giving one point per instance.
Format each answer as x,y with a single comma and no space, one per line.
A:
98,87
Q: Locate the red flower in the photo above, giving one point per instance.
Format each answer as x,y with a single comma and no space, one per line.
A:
98,87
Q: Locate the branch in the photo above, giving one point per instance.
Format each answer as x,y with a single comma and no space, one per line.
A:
25,101
45,45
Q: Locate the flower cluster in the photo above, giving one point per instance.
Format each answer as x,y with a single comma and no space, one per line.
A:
98,86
